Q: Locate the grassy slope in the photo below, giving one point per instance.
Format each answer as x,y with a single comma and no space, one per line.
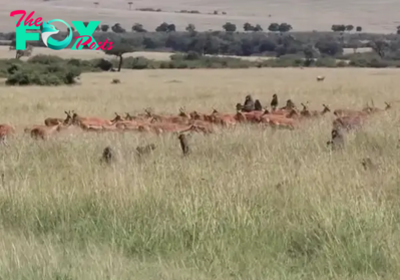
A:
217,214
372,15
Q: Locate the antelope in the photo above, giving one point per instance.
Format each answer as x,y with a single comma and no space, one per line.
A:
43,131
307,113
348,122
86,122
56,121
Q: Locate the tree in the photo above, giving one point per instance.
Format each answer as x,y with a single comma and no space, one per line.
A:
229,27
104,27
119,50
329,47
359,29
398,29
338,28
96,4
380,47
257,28
171,27
165,27
130,5
248,27
138,28
273,27
309,55
117,28
190,28
284,27
349,27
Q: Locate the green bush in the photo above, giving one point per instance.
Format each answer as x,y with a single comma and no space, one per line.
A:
44,75
102,64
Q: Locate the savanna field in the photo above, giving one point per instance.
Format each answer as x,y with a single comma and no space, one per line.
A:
247,202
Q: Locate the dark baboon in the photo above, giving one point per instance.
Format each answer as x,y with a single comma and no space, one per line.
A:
337,140
239,107
144,150
367,163
108,155
257,105
290,104
184,144
274,102
248,104
3,140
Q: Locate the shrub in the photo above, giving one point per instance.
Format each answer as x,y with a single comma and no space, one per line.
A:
103,64
45,70
141,63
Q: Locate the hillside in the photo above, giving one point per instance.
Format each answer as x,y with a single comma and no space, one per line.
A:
303,15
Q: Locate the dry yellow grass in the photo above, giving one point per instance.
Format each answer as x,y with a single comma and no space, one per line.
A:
373,16
217,214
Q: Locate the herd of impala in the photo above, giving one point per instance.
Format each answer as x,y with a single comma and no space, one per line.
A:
288,117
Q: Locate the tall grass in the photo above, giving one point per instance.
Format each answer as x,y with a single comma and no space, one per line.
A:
247,203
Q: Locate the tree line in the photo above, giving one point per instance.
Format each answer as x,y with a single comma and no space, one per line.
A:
276,43
228,26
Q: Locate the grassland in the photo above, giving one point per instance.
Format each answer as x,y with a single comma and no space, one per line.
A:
218,214
367,13
6,53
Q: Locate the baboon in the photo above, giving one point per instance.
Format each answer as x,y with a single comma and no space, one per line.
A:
248,105
289,105
274,102
239,107
144,150
108,155
367,163
305,112
257,105
3,139
337,140
184,144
